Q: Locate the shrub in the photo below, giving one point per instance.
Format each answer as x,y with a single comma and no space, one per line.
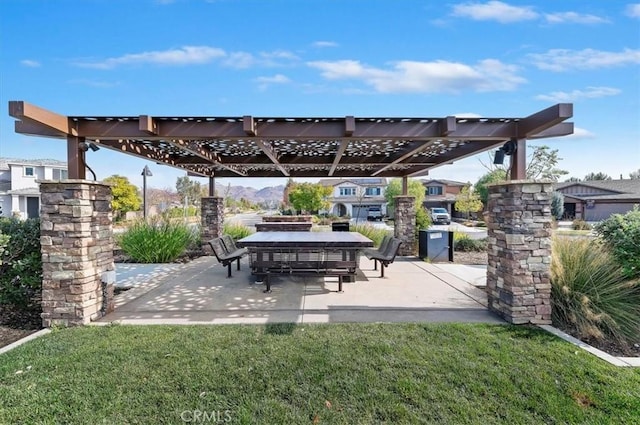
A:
423,219
376,234
590,294
236,230
581,225
462,242
158,240
557,205
20,262
621,233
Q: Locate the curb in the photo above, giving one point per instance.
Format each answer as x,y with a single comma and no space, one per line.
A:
27,338
616,361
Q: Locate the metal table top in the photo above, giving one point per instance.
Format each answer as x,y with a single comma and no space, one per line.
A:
306,239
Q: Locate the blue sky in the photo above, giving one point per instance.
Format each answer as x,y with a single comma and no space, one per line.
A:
298,58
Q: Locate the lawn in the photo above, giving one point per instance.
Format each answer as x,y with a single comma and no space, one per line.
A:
308,374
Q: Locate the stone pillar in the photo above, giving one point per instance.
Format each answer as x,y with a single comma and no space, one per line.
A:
212,216
405,224
519,235
76,239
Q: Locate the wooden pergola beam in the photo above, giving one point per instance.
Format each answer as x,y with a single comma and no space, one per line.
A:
536,123
268,151
49,121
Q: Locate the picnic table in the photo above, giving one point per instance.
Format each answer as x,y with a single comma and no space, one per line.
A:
304,253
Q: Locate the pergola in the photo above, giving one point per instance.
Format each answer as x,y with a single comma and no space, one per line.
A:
247,146
76,221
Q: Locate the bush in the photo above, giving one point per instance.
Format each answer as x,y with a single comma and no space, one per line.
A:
20,262
177,212
158,240
581,225
423,220
462,242
376,234
621,233
236,230
590,294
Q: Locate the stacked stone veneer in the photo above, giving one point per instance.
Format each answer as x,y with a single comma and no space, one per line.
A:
212,219
405,224
76,238
519,235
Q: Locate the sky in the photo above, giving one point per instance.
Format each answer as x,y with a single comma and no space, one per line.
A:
317,58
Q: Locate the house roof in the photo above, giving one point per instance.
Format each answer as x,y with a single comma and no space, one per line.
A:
626,189
5,162
444,182
290,146
359,182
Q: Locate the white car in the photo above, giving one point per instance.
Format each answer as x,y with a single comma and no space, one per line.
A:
440,216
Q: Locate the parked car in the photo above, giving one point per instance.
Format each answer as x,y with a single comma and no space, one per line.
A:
440,216
374,214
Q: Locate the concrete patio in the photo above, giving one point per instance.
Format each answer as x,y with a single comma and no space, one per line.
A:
200,293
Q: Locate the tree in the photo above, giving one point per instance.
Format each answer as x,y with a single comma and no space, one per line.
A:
596,176
125,195
190,191
542,164
635,175
494,176
415,188
573,180
309,197
468,201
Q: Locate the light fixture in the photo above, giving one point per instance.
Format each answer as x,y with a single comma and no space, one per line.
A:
509,148
84,146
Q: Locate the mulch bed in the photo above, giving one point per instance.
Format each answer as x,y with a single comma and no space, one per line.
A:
16,324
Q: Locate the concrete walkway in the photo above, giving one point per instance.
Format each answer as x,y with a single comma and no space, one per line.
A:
199,293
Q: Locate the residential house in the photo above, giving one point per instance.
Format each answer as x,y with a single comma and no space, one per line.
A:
598,199
442,194
19,192
354,197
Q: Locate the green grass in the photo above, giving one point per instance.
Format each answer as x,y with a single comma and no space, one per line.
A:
302,374
376,234
157,240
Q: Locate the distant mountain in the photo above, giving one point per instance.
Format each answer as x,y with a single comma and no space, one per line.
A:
271,194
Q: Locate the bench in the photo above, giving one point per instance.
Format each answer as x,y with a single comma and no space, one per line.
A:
225,256
385,256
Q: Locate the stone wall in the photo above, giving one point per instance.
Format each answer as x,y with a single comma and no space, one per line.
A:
519,235
76,238
212,216
405,224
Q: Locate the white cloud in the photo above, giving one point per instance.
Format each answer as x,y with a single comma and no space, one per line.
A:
240,60
425,77
574,18
276,79
30,63
589,93
633,10
96,83
187,55
265,82
322,44
581,133
494,11
563,60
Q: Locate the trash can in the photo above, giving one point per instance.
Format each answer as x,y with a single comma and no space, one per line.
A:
340,226
435,245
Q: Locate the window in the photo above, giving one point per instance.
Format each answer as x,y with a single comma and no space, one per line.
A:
29,171
372,191
347,191
434,190
60,174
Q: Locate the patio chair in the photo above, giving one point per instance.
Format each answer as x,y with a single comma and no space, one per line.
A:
377,251
225,257
231,246
387,256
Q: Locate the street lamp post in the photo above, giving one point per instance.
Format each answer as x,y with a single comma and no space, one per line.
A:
146,172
